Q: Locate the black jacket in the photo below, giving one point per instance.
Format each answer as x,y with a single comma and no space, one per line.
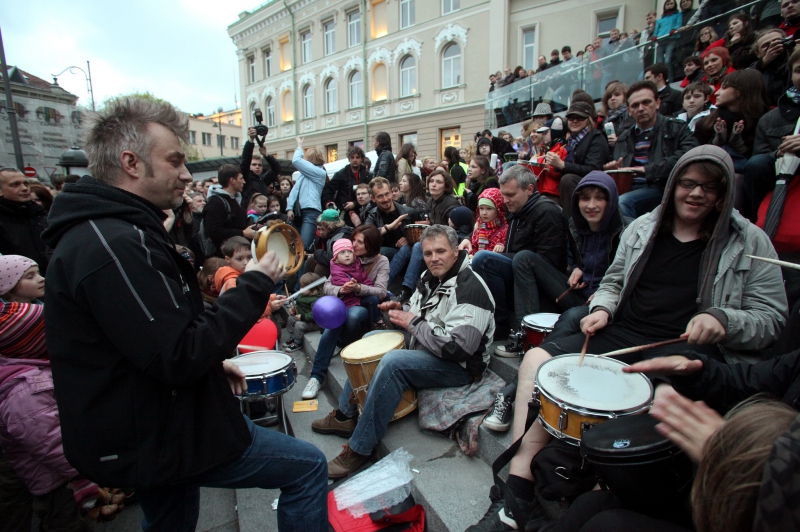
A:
21,226
439,210
385,166
775,125
776,76
591,153
670,140
722,385
136,360
341,188
671,101
254,183
222,224
539,227
374,218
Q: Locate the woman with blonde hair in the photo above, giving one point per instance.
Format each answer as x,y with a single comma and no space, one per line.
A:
303,203
615,109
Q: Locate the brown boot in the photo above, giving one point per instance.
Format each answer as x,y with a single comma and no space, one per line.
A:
330,425
344,464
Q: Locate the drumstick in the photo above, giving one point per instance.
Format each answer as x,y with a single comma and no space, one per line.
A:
642,347
564,294
306,289
584,348
776,261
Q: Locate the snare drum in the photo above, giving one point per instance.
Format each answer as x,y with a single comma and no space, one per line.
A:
623,180
536,328
268,373
361,360
285,241
573,398
413,232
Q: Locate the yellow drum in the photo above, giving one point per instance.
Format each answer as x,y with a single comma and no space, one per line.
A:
361,360
285,241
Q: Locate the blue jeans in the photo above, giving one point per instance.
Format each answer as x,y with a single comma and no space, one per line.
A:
306,224
398,371
371,304
398,260
664,52
273,460
357,319
416,265
640,200
496,271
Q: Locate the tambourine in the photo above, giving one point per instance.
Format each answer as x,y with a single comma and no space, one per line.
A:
285,241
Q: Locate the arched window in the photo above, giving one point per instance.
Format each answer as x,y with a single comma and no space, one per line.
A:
287,107
270,112
451,66
408,76
308,101
356,89
330,96
253,114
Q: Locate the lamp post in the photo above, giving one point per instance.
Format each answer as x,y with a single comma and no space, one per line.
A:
219,123
87,76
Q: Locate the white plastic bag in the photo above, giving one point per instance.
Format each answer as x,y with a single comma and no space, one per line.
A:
381,486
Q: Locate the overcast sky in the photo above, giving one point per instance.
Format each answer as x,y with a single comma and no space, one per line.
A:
178,50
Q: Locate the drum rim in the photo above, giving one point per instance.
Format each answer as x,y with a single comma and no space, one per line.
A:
578,409
415,226
539,328
378,355
248,396
297,258
290,362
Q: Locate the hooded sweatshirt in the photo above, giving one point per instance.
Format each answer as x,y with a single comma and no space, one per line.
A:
746,296
592,251
489,234
135,358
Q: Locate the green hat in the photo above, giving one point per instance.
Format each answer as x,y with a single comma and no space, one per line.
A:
486,202
329,215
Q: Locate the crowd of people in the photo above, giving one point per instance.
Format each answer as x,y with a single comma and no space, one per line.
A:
129,289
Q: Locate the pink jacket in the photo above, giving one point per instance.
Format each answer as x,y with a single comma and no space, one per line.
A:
30,430
341,274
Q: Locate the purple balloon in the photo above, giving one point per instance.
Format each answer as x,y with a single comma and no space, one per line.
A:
329,312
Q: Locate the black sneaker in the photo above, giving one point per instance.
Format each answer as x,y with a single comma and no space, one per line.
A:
404,295
500,415
496,518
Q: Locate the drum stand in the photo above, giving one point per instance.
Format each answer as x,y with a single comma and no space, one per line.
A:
279,415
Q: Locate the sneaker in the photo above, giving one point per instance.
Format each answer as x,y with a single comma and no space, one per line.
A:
497,519
330,425
500,415
292,345
312,388
347,462
404,295
509,350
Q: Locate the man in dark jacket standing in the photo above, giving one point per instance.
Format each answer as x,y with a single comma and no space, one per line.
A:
223,216
341,189
252,168
21,220
144,388
385,166
650,149
535,225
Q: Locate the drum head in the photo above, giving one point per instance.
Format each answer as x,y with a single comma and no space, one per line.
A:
598,385
262,362
277,242
372,347
543,321
626,436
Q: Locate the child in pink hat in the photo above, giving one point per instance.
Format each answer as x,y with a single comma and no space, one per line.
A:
347,271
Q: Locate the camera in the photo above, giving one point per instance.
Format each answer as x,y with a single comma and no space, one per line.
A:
261,129
788,43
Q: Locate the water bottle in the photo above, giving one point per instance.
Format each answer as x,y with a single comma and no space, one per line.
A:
608,127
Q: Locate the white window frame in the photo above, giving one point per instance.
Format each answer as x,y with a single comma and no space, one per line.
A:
192,137
329,32
353,29
270,112
603,14
355,90
308,101
251,63
220,141
267,62
207,139
408,77
450,6
449,65
234,143
305,46
331,102
529,47
407,13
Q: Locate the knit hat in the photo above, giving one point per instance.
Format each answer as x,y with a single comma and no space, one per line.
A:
342,244
494,195
483,140
12,267
329,215
543,109
486,202
461,216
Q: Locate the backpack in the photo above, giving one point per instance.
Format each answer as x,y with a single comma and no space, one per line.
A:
205,244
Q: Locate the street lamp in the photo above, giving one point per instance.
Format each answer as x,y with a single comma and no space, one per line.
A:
87,76
219,123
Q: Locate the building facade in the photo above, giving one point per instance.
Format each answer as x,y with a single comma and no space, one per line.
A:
207,133
338,71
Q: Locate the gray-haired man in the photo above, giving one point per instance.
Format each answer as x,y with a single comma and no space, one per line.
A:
450,324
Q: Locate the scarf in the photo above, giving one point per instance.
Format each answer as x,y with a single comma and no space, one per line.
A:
613,114
713,80
794,95
572,143
487,229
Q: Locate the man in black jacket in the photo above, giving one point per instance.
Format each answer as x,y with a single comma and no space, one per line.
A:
535,225
385,166
223,216
252,167
21,220
144,390
341,189
671,99
665,141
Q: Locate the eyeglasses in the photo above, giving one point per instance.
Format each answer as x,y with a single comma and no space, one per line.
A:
690,184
